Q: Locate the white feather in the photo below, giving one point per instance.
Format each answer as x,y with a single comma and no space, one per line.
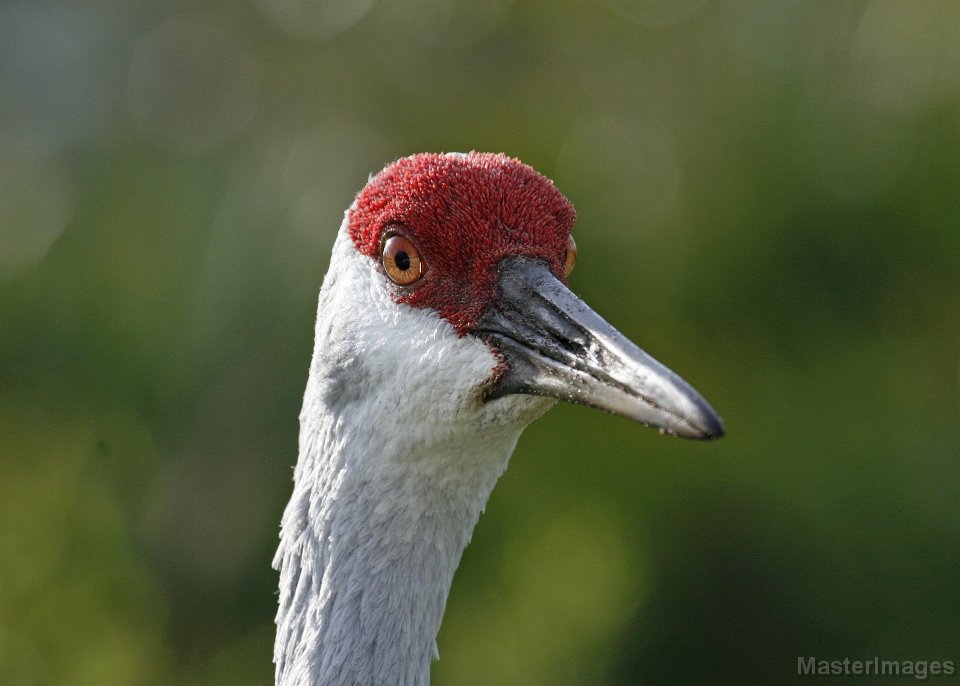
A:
398,456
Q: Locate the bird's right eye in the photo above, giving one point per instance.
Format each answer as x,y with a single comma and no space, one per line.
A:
401,260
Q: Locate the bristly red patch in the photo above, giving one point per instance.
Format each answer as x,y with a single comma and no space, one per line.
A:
465,213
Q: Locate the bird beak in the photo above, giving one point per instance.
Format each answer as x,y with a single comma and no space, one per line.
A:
555,346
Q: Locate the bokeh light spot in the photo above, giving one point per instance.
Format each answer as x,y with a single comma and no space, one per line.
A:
193,83
854,151
56,68
316,19
36,203
906,55
657,13
440,22
637,164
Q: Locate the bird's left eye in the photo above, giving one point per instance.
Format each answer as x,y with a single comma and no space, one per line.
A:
401,260
569,256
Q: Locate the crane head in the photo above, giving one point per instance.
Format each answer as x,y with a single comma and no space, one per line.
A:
479,245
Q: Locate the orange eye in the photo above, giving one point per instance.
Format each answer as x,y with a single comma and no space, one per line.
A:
569,257
401,260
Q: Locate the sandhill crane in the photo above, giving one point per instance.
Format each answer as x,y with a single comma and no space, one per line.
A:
444,327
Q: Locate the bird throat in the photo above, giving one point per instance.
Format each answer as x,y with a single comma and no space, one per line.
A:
369,545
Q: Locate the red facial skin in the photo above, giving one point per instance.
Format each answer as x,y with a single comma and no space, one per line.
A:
465,213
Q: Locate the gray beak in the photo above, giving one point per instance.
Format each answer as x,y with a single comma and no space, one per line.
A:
555,346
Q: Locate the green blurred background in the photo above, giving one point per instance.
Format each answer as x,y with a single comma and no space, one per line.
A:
769,201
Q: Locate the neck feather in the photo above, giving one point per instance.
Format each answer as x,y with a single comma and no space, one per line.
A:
398,455
368,551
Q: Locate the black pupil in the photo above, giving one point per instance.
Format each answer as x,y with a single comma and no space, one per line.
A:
402,260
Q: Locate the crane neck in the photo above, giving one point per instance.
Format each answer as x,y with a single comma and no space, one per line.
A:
398,455
370,541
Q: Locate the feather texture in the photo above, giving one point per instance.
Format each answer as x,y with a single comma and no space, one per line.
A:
398,456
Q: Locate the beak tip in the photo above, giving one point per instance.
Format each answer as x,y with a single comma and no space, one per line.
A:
709,428
713,434
700,422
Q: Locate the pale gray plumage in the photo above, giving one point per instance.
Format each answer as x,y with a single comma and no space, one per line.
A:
378,518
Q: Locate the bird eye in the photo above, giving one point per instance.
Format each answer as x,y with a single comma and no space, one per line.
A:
401,260
569,256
